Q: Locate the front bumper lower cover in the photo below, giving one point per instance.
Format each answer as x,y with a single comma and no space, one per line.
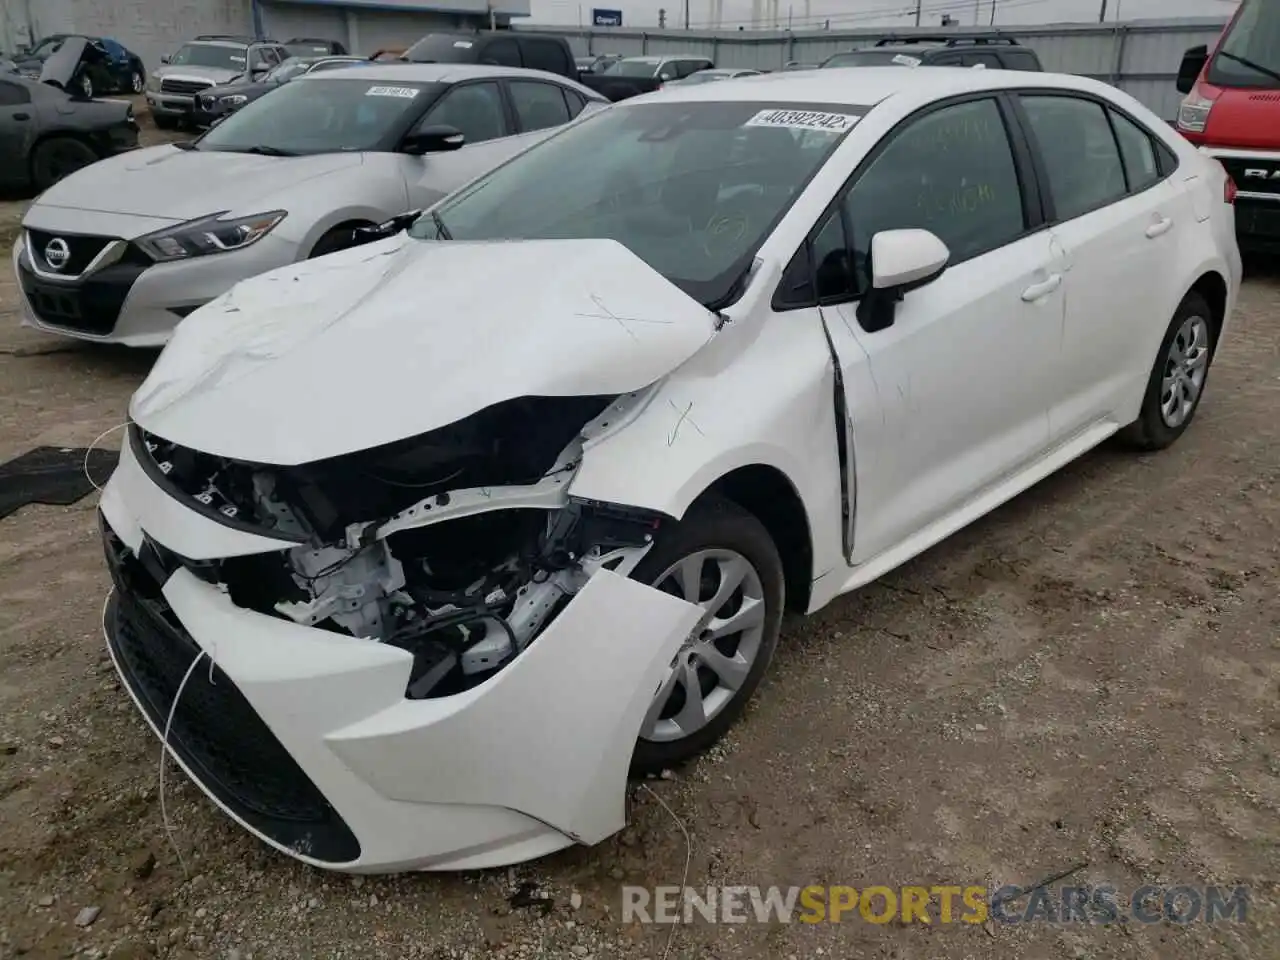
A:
305,736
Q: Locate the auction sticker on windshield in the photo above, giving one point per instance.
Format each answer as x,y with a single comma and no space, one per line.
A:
404,93
804,120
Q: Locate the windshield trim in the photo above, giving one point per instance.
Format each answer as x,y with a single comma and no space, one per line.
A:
717,293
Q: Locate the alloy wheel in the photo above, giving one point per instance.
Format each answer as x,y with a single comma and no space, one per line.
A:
1185,367
716,658
136,82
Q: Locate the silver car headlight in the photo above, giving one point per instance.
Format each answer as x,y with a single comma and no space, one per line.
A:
213,234
153,83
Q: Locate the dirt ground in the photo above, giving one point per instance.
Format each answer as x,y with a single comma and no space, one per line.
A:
1086,679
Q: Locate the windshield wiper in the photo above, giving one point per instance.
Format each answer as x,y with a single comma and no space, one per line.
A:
442,232
185,144
1246,62
263,150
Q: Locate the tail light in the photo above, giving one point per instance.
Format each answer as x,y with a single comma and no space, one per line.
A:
1229,190
1193,113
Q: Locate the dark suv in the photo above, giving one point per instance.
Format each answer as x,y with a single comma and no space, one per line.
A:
503,48
995,53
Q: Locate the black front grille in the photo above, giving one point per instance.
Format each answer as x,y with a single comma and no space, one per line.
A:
1258,224
91,305
82,249
1254,176
183,86
215,730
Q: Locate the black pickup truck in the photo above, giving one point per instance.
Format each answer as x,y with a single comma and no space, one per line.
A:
509,48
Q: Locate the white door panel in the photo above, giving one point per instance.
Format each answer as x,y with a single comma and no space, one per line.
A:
959,388
1113,302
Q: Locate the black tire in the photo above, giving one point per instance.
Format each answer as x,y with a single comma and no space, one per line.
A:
715,523
338,238
1152,431
137,82
86,86
164,123
59,157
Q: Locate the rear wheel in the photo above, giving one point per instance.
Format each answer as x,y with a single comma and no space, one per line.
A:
59,157
86,86
1177,379
137,82
721,558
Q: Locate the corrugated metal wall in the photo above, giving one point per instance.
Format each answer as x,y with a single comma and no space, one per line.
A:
1141,58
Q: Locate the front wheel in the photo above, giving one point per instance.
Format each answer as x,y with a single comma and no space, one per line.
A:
137,82
86,86
721,558
1177,380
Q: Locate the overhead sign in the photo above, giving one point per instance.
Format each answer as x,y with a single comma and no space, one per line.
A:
606,18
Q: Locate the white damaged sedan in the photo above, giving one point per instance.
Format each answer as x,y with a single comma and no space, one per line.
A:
421,548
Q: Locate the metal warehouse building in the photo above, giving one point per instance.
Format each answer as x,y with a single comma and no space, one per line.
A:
153,28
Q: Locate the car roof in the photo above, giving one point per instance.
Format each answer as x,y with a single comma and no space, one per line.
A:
432,72
864,86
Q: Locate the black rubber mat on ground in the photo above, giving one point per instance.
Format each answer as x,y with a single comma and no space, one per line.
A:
52,475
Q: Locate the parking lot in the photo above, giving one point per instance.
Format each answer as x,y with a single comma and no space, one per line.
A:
1087,681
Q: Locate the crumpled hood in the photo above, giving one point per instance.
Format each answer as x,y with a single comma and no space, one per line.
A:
390,340
171,184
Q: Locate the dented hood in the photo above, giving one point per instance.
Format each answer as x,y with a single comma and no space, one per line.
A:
396,338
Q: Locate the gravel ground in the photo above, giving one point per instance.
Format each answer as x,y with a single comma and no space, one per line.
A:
1088,676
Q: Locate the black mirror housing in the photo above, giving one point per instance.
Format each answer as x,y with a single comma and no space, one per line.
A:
436,138
1193,62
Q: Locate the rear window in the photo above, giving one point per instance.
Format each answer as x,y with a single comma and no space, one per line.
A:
633,68
444,48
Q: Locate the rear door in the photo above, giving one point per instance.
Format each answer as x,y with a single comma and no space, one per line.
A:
1117,220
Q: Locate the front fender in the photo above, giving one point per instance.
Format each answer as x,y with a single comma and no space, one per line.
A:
759,394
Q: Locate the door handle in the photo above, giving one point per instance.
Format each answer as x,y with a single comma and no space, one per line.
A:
1038,291
1159,228
22,116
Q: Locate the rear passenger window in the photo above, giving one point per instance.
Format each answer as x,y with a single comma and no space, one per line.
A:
575,102
1079,153
503,53
1137,151
1019,60
544,55
951,172
538,105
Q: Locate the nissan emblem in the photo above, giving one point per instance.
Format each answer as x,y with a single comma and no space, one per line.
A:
57,254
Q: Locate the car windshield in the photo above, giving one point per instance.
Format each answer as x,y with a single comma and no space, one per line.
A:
320,115
293,67
692,189
442,48
1249,54
872,58
632,68
209,55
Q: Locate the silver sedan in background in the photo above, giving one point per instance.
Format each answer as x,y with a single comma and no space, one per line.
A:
121,251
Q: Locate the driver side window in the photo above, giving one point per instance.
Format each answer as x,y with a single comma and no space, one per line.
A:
951,172
474,108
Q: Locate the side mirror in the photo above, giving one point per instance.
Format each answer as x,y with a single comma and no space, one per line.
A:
901,261
1193,62
437,138
165,58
